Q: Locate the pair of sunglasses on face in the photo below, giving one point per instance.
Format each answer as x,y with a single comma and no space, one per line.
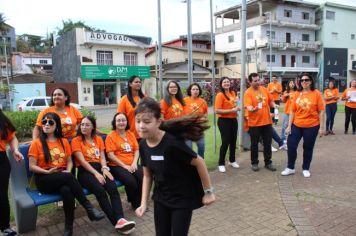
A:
48,121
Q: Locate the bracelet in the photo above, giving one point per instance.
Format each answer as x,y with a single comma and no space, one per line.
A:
209,190
105,168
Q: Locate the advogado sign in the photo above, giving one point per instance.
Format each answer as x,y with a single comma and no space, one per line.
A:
108,38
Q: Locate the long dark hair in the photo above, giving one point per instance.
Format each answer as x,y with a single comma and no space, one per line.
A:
331,80
288,88
179,95
93,132
129,91
57,133
312,85
66,94
5,126
190,127
113,122
189,92
222,89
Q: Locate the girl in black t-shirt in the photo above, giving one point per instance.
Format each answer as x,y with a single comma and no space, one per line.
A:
182,182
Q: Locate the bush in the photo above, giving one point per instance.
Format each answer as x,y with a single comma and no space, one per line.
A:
23,122
87,112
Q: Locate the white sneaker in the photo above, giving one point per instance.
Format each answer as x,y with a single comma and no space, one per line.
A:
306,173
222,169
274,149
234,164
283,147
287,171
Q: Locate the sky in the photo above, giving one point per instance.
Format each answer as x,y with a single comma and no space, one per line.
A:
133,17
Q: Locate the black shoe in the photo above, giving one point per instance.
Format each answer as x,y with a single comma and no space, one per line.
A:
270,167
345,132
93,213
68,231
8,232
255,167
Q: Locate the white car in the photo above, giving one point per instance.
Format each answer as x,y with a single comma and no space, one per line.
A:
38,103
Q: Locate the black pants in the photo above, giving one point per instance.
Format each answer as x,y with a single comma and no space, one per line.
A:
330,110
67,186
265,132
169,221
112,208
5,169
228,133
350,114
132,183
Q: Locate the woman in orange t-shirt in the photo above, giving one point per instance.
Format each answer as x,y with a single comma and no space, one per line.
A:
49,159
94,174
129,102
194,104
305,121
226,109
122,149
287,98
7,136
69,115
172,105
331,95
349,96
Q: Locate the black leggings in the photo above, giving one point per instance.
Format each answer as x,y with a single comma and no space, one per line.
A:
228,133
132,183
350,114
67,186
5,169
112,208
170,221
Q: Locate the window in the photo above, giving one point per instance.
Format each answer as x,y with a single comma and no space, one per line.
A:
287,13
49,101
306,59
352,36
250,35
273,34
352,57
330,15
29,103
334,35
104,57
207,64
231,38
305,37
39,102
43,61
273,58
130,59
305,15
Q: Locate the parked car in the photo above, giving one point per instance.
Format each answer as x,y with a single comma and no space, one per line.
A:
37,103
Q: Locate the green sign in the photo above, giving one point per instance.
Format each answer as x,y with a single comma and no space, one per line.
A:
93,72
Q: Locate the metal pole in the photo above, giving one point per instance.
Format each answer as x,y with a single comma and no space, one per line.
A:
242,75
212,49
189,39
7,72
270,46
160,50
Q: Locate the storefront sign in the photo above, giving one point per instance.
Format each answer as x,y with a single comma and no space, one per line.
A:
95,72
109,38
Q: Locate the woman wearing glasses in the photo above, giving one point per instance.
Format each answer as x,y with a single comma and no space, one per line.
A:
122,149
49,159
94,175
306,119
172,105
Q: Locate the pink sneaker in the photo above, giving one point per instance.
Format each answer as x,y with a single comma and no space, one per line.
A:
124,225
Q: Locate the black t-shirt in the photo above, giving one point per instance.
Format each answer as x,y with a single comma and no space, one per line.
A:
177,182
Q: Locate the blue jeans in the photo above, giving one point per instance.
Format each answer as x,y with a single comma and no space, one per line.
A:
284,126
276,137
309,136
330,115
200,144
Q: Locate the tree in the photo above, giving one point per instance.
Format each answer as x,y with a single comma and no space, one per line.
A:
69,25
4,28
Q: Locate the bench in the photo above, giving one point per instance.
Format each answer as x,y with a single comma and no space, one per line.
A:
25,199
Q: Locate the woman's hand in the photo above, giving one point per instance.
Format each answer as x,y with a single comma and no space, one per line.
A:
17,156
128,168
288,130
133,167
321,132
100,178
54,170
107,174
141,210
209,199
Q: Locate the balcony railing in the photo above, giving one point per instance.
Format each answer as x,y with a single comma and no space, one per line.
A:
302,46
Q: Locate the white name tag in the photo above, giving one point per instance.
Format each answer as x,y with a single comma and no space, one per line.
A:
157,158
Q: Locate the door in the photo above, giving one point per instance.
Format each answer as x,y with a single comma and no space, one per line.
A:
292,60
100,89
283,60
287,37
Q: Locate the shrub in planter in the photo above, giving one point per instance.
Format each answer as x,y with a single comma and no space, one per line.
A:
23,122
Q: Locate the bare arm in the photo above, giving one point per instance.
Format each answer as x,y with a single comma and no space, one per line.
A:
146,187
36,169
35,132
14,143
112,157
322,122
226,111
79,156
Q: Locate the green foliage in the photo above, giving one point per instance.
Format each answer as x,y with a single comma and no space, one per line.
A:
23,122
69,25
87,112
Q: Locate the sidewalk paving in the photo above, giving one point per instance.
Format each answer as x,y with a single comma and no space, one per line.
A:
264,202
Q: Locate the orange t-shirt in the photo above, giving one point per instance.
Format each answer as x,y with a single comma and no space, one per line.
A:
69,120
260,98
195,106
126,107
306,107
91,152
277,86
124,149
345,94
287,101
173,111
222,103
3,142
330,93
59,154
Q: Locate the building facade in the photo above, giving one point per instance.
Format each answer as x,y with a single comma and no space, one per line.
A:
27,63
99,61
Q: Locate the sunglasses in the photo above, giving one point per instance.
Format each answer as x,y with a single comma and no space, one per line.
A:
305,80
47,121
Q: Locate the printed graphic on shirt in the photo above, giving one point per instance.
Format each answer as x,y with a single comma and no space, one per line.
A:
176,109
261,98
57,156
66,126
93,153
194,107
304,103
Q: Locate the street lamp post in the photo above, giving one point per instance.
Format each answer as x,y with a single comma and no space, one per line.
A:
189,41
270,43
160,50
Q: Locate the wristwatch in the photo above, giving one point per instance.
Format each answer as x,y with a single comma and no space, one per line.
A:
209,190
105,168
